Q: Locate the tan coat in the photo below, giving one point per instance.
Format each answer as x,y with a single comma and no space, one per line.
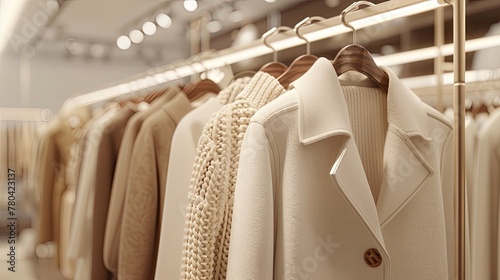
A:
143,207
68,198
117,198
343,182
107,155
80,239
52,159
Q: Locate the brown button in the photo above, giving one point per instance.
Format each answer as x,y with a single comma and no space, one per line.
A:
373,257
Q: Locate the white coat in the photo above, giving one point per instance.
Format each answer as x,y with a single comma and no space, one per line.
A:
303,207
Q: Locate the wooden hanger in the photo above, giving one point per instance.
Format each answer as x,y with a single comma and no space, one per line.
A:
274,68
199,88
302,63
355,57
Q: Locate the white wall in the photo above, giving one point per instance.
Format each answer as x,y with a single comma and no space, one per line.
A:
51,81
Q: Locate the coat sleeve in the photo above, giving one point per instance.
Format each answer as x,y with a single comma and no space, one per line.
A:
251,252
46,176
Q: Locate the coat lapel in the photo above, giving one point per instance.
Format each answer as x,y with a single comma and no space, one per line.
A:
405,172
323,113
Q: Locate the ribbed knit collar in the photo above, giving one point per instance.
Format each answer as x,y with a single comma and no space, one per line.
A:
228,95
262,89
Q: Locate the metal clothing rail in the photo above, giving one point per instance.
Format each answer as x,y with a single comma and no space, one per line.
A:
370,16
376,15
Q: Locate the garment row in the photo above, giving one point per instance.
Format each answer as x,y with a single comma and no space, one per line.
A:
482,155
331,178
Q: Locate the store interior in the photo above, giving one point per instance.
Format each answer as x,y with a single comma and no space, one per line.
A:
58,55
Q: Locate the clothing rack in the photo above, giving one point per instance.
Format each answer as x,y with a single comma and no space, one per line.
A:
362,18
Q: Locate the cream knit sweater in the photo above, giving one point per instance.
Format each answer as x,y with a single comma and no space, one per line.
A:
210,199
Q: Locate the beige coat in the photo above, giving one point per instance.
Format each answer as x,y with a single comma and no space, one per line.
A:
183,153
117,198
485,220
343,182
80,238
109,146
145,192
52,158
69,196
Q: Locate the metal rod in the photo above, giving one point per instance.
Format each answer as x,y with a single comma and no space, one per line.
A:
439,60
376,15
459,130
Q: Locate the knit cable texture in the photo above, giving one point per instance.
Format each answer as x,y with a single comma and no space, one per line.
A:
210,200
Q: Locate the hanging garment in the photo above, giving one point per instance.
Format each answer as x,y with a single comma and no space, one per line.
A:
343,182
183,153
145,192
485,231
109,146
117,199
209,209
68,198
52,159
80,238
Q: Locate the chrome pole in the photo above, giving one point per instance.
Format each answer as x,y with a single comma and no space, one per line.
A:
439,60
459,129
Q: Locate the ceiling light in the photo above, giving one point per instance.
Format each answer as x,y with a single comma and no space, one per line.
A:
214,26
190,5
149,28
236,16
123,42
270,1
136,36
164,21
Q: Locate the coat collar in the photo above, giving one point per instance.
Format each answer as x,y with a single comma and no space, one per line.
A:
322,96
323,113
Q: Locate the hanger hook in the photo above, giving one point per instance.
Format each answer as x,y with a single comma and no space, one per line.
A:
353,7
307,20
272,31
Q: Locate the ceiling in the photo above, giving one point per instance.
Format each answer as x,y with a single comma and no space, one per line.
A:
93,26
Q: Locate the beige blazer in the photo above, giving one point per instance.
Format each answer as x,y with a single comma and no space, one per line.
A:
304,205
52,159
68,199
117,198
109,146
80,238
485,221
145,192
182,155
